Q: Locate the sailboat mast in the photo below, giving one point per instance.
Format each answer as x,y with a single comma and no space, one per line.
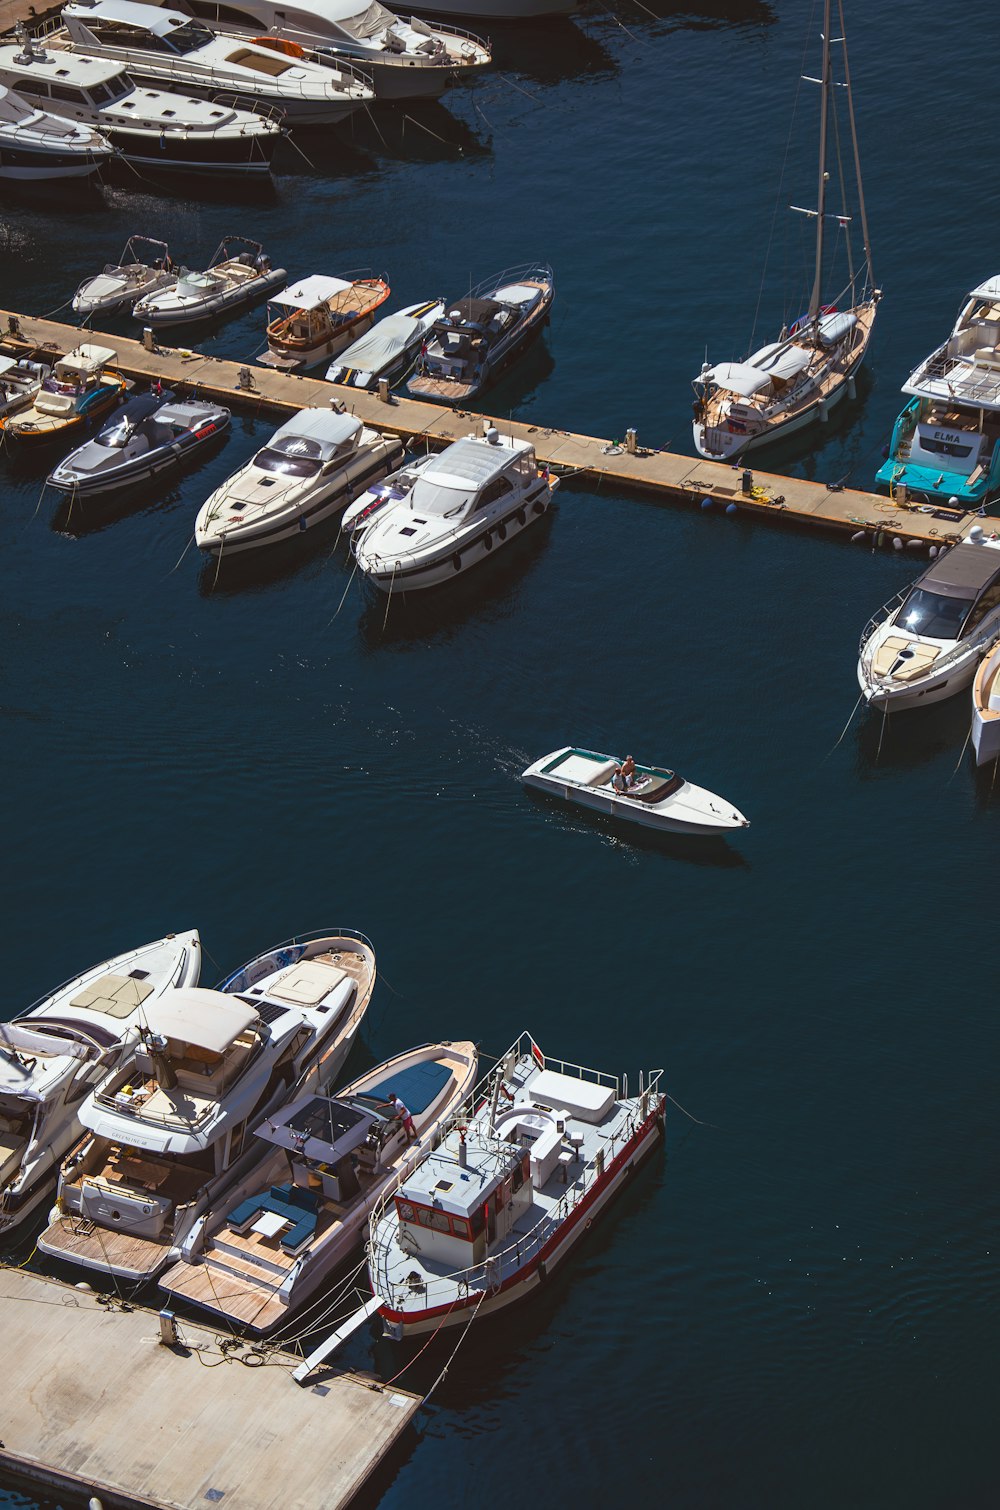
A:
814,302
857,154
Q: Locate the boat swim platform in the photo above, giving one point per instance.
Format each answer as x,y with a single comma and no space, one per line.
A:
678,479
96,1404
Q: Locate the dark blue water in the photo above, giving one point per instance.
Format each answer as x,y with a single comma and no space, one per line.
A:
798,1305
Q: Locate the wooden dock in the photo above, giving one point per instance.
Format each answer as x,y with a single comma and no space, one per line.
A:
678,479
95,1404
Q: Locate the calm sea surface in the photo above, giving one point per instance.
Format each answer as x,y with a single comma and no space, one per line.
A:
797,1306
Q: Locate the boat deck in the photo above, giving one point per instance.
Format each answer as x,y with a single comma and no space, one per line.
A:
94,1406
78,1239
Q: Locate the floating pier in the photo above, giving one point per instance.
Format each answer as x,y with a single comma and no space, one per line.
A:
95,1403
678,479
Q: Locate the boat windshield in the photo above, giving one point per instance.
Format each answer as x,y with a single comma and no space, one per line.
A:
932,614
190,37
270,460
430,497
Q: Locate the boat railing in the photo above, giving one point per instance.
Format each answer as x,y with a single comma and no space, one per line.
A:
981,639
456,31
960,377
878,619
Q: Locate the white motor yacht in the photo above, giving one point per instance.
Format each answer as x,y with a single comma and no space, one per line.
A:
20,381
35,145
323,1163
388,351
151,128
488,1215
317,462
239,274
654,797
925,645
167,1136
405,57
143,266
460,506
986,708
479,335
55,1052
169,50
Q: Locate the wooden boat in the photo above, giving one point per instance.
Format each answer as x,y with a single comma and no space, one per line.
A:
658,798
314,319
82,387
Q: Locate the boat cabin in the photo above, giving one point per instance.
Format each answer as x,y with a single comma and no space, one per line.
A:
954,595
472,474
314,441
74,375
452,1209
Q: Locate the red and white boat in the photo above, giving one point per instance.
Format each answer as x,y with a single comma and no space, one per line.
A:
509,1190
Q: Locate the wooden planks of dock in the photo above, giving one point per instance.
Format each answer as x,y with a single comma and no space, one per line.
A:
94,1403
678,479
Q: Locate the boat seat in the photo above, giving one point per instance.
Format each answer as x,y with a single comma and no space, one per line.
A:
888,652
297,1206
11,1148
657,790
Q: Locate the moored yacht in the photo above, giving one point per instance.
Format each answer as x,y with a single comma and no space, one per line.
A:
314,319
324,1162
406,58
35,145
239,273
172,51
168,1135
477,336
945,444
317,462
153,433
457,508
55,1052
143,266
81,387
151,128
504,1198
388,351
925,645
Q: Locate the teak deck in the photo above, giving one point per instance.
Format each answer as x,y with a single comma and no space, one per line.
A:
94,1404
680,479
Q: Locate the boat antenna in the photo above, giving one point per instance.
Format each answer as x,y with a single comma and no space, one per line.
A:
814,302
857,156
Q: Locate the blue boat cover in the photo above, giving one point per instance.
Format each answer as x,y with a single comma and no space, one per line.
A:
416,1086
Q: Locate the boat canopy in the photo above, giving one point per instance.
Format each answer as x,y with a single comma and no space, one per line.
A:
326,429
471,463
22,1040
142,17
739,377
962,572
86,358
318,1127
988,290
207,1019
310,292
781,360
834,327
470,312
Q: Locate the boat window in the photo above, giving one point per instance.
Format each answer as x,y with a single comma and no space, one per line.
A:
190,37
986,603
428,497
269,460
498,488
931,614
100,94
945,447
526,467
461,1228
110,33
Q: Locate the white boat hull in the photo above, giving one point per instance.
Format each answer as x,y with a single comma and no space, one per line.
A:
687,809
931,689
729,446
410,576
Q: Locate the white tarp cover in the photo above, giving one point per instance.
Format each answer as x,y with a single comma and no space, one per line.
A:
739,377
208,1019
310,292
382,344
22,1040
833,328
988,290
87,357
781,360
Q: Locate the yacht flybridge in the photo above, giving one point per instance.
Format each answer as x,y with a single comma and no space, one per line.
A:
55,1052
314,319
172,51
323,1163
509,1191
406,58
797,379
35,145
925,645
168,1135
946,443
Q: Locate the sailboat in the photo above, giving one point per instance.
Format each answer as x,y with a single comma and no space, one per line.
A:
797,379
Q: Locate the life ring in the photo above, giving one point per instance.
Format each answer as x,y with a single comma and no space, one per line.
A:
279,44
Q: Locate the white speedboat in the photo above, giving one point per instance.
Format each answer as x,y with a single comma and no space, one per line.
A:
388,351
502,1201
406,58
317,462
986,708
56,1051
20,381
655,797
239,274
143,266
796,380
151,128
153,433
462,505
324,1162
314,319
169,50
35,145
166,1137
925,645
478,335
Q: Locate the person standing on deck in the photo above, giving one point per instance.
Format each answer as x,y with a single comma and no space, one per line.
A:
403,1113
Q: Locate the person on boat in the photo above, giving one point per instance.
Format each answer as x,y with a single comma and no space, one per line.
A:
400,1110
629,774
617,779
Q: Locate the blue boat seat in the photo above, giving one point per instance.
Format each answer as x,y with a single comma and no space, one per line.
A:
297,1206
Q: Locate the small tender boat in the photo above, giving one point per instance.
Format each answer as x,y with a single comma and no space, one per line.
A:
20,381
144,265
82,387
489,1214
55,1051
658,798
166,1137
323,1163
926,643
317,317
35,145
986,708
317,462
388,351
478,335
150,434
457,508
239,273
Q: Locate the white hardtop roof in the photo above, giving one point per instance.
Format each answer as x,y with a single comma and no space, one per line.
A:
6,363
439,1180
208,1019
309,292
988,290
471,462
322,425
739,377
158,21
86,357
